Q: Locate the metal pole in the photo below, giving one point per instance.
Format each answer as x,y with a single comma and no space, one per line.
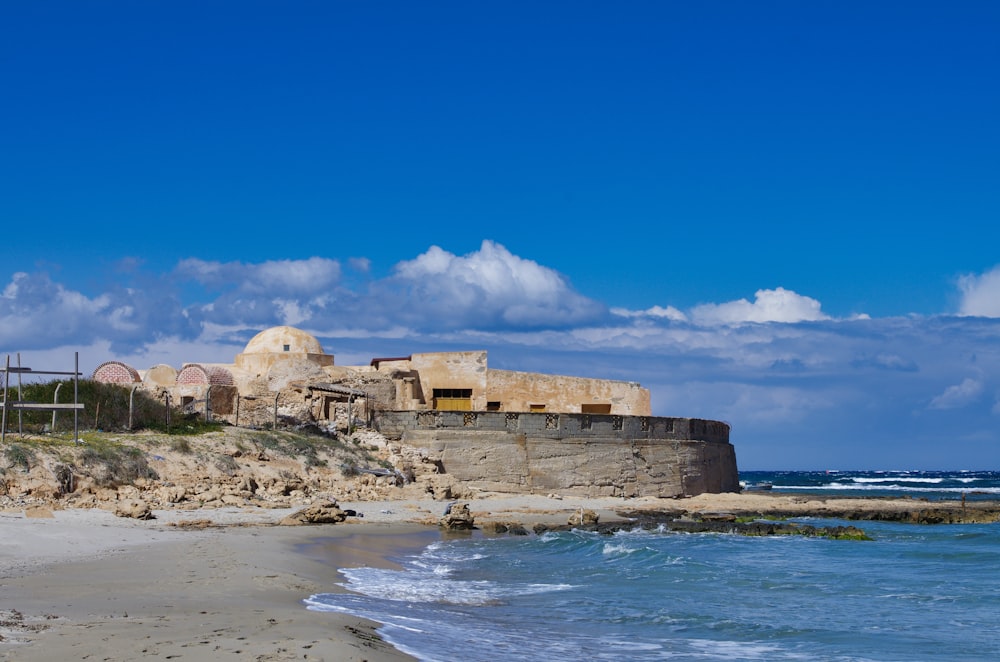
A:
349,396
76,397
166,395
131,407
20,398
6,383
237,422
276,410
208,398
55,401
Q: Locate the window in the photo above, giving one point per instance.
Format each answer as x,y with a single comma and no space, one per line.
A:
453,399
287,348
453,393
595,409
536,407
492,406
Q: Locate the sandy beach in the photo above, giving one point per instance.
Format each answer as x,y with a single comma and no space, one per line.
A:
88,585
85,584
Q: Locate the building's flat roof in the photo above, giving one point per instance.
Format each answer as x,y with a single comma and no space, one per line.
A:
336,388
375,362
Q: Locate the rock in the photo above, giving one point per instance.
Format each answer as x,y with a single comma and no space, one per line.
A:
248,484
38,511
718,517
171,494
496,527
583,518
319,513
511,528
127,492
458,518
81,501
193,524
440,486
134,508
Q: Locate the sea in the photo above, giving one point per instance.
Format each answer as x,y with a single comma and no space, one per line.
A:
914,592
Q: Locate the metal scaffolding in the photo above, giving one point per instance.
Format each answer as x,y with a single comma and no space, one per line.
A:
20,405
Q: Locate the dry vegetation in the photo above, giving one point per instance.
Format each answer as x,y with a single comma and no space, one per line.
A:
228,466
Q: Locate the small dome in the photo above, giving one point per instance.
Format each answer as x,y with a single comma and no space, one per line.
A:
283,339
115,372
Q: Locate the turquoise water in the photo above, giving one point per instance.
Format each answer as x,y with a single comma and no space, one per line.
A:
914,593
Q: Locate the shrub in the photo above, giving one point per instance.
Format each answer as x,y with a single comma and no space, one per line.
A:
114,465
181,445
226,464
106,407
19,456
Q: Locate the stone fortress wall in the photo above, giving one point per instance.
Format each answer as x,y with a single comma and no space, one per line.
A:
573,454
500,430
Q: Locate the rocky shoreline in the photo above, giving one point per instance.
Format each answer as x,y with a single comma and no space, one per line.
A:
272,476
753,515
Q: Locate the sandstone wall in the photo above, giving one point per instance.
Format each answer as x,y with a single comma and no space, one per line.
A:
518,391
452,370
572,454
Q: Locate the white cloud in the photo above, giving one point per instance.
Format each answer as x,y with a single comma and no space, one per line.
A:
773,379
291,312
656,312
274,277
361,264
35,311
778,305
261,295
959,395
487,287
980,294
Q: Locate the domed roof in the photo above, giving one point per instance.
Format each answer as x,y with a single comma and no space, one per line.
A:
283,339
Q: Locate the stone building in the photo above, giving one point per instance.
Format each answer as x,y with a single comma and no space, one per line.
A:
496,430
283,373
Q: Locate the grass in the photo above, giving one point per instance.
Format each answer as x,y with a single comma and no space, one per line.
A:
112,464
302,445
107,407
115,459
19,456
181,445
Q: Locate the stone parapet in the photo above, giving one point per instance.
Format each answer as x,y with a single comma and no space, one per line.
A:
394,424
572,454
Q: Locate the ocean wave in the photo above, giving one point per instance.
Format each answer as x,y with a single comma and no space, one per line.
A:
424,586
836,487
566,596
895,479
618,549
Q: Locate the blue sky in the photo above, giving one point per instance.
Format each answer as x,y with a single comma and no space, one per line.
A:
783,215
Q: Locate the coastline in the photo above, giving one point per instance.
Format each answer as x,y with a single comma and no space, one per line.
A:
212,584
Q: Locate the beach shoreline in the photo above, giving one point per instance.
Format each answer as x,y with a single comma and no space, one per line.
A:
138,590
211,584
